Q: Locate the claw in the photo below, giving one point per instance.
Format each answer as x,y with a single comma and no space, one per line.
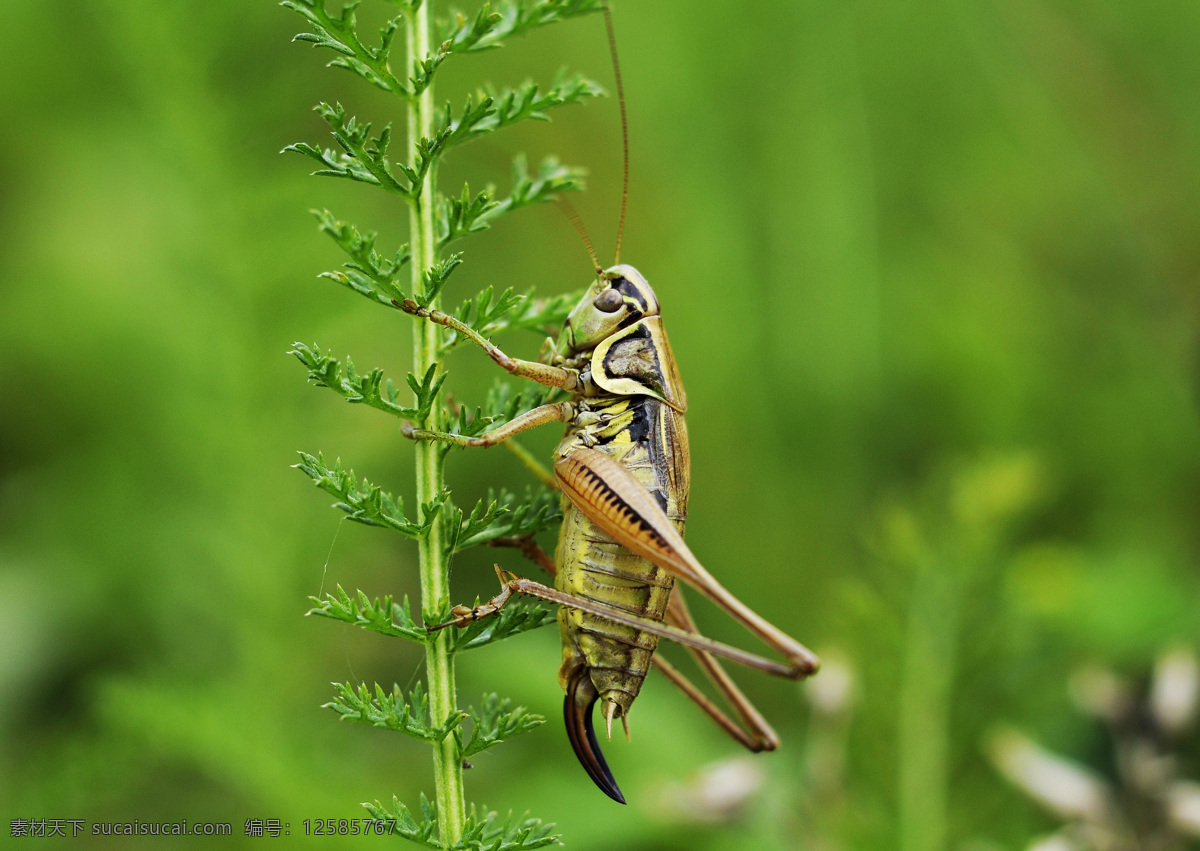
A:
610,711
577,712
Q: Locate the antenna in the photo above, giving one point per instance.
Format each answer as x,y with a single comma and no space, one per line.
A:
570,212
612,46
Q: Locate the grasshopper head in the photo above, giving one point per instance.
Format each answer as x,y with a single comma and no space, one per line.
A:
617,299
618,327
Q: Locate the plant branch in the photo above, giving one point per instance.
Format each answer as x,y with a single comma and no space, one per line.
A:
433,554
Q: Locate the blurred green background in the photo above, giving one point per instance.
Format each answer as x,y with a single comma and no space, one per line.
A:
930,272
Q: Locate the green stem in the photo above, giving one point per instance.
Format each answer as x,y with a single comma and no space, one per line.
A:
532,464
434,560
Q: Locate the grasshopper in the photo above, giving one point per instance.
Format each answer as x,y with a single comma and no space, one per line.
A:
624,472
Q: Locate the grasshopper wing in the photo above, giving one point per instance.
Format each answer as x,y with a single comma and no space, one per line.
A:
608,494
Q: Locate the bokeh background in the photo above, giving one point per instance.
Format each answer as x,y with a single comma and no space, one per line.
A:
930,272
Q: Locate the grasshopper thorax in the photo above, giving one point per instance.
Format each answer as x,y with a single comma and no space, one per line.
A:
616,327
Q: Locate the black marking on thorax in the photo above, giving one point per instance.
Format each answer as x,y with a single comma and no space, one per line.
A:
643,431
640,427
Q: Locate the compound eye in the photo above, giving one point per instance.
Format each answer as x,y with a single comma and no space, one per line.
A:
609,301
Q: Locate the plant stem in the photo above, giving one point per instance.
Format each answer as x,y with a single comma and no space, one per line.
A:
433,560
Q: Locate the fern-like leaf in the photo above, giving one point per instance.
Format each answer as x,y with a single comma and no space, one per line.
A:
368,273
435,278
340,34
488,832
367,503
495,723
363,158
492,110
421,828
385,616
370,389
519,616
393,711
512,833
519,17
508,516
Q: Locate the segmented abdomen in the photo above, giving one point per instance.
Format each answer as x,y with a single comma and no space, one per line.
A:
649,438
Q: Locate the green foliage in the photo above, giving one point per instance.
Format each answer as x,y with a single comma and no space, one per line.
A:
392,710
368,273
441,526
340,35
364,157
904,233
489,833
496,722
367,503
519,616
505,516
385,617
423,830
487,111
435,277
514,833
370,389
507,312
488,28
467,214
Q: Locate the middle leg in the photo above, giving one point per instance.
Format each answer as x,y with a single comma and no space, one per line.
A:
555,412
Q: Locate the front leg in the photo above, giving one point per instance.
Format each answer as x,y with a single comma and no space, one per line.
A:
550,376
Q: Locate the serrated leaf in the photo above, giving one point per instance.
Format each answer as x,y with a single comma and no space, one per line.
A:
552,177
340,34
518,18
512,833
519,616
368,273
363,157
508,516
526,101
403,823
480,833
491,110
495,722
461,35
467,214
333,164
364,502
392,710
435,278
371,390
486,314
385,616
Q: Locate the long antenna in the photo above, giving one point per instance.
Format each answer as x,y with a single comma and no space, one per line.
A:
573,215
612,46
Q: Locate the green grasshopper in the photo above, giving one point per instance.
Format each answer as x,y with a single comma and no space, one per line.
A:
624,472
